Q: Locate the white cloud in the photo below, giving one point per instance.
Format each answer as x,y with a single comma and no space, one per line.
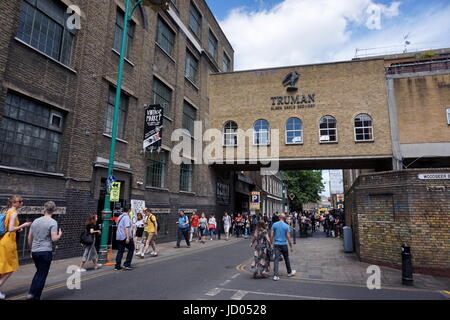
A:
310,31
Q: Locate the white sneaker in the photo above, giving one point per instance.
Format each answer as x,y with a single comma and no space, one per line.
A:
98,266
293,272
275,278
2,296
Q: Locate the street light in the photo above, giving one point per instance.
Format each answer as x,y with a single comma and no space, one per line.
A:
106,213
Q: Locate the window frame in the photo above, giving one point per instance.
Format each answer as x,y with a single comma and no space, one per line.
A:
255,133
328,129
228,134
448,116
215,44
183,170
131,30
363,128
162,23
226,57
187,116
199,21
162,170
188,57
168,109
122,110
293,130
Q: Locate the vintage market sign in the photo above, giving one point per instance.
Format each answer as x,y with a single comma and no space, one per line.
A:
434,176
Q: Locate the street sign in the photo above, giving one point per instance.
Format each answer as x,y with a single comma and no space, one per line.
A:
255,200
115,192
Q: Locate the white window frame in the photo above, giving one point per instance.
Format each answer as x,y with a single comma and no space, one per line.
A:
363,127
229,134
262,131
448,116
286,132
320,132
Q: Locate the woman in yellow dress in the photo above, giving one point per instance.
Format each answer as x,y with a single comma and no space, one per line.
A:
9,258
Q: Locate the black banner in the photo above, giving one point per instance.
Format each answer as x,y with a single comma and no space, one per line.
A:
153,126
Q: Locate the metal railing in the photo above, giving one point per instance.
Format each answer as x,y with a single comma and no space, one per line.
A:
428,66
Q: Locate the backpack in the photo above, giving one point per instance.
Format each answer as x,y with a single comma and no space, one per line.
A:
86,238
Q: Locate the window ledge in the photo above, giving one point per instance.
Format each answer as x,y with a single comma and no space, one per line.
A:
118,139
331,142
192,83
365,141
118,53
188,192
165,52
45,55
32,171
294,144
157,188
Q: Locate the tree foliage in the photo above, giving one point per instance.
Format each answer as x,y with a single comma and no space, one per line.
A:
305,185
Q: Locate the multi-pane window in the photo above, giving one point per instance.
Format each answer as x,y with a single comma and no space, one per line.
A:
189,117
230,133
294,131
165,37
43,26
226,63
186,177
120,16
363,128
261,133
30,134
162,95
212,45
110,113
191,68
156,170
195,20
448,116
328,129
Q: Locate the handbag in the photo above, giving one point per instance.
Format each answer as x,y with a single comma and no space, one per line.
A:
86,238
211,226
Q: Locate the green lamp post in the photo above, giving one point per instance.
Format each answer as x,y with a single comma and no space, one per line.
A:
106,213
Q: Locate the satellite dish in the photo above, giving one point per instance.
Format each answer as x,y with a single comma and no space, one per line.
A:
157,4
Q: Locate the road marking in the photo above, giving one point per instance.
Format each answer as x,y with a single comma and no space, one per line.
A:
213,292
236,275
138,265
225,282
239,295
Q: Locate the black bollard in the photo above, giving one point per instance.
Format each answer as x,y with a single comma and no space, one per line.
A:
407,270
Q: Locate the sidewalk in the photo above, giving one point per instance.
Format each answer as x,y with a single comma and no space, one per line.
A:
323,259
20,281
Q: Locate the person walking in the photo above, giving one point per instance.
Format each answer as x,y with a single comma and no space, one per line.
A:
43,232
238,225
212,226
202,227
261,255
281,237
194,227
124,238
152,234
247,226
139,229
9,258
183,229
226,225
90,253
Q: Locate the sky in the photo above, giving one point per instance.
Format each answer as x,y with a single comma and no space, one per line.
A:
273,33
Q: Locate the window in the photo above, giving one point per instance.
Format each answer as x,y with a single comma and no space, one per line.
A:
162,95
230,134
186,177
261,133
212,45
191,68
226,63
195,20
165,37
110,113
189,117
363,128
328,129
294,131
27,137
448,116
120,16
156,170
42,25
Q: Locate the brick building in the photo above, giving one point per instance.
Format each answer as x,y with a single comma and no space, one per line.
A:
57,100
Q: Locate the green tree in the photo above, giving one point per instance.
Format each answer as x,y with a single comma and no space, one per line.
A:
305,185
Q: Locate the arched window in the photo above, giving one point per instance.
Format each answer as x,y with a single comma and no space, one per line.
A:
294,131
363,128
230,133
261,133
328,129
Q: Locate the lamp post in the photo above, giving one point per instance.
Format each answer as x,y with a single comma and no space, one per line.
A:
106,213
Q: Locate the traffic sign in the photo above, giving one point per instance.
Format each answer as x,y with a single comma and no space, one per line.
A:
115,192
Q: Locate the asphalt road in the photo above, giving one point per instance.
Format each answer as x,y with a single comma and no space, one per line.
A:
217,274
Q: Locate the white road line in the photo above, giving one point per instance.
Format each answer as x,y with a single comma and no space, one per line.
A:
239,295
243,293
225,282
236,275
213,292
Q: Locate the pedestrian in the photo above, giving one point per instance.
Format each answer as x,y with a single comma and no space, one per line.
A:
238,225
194,226
281,237
9,258
139,233
90,253
226,225
202,227
124,238
247,226
152,234
212,226
261,263
43,232
183,229
337,229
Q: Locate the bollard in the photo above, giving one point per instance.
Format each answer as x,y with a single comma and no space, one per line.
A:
407,270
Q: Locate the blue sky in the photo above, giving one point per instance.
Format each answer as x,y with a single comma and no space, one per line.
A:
272,33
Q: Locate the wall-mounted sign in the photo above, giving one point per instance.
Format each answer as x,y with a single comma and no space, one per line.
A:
434,176
291,80
115,192
292,102
255,200
153,127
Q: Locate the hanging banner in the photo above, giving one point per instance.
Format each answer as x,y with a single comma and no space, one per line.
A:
153,127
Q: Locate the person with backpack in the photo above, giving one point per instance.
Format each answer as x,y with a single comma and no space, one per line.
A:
88,242
183,229
9,225
152,231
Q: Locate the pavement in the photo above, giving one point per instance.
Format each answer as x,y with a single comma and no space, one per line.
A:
317,260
